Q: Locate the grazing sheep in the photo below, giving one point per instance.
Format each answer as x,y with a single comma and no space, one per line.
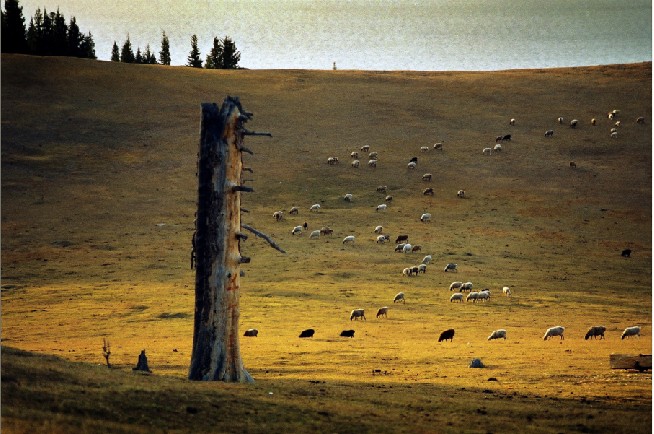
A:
400,247
487,151
447,334
251,333
401,238
381,239
595,331
372,163
560,120
438,146
347,333
472,296
314,234
413,160
461,194
426,177
315,207
640,120
614,135
308,333
355,164
617,124
455,285
381,207
406,272
549,133
631,331
506,291
466,286
354,155
497,148
388,198
372,156
382,189
593,122
457,296
294,210
296,230
554,331
512,122
415,270
611,115
483,295
399,297
326,230
424,148
428,191
450,267
278,216
383,311
573,123
422,268
411,165
348,239
626,253
348,197
497,334
425,217
416,248
614,130
406,248
426,260
365,148
332,160
356,314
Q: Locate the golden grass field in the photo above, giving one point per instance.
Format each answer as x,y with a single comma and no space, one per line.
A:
98,196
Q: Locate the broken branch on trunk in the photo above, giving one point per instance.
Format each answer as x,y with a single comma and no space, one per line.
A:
260,234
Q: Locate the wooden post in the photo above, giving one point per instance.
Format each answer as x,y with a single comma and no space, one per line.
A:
216,349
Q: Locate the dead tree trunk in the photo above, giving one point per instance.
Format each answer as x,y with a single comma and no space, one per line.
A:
216,349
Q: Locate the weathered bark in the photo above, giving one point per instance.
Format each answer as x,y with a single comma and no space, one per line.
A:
216,349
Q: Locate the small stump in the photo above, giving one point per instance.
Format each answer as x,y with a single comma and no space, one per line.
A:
476,363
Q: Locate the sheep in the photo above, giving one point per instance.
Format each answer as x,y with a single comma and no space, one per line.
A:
549,133
472,296
466,286
365,148
372,163
497,334
614,135
413,160
497,147
332,160
406,248
348,239
631,331
348,197
422,268
400,247
382,189
308,333
406,272
614,130
455,285
315,207
424,148
593,122
415,270
554,331
357,313
383,311
294,210
372,156
487,151
573,123
296,230
640,120
461,194
447,334
412,165
512,122
426,177
615,112
388,198
560,120
595,331
314,234
425,217
355,164
450,266
611,115
399,297
438,146
506,291
326,230
278,216
354,155
483,295
426,260
379,229
381,239
401,238
416,248
347,333
428,191
617,124
457,296
381,207
251,332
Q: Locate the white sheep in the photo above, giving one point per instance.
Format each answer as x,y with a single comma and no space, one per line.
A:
356,164
466,286
426,177
487,151
425,217
315,207
399,297
407,248
381,207
348,197
457,296
512,122
296,230
497,334
379,229
406,272
483,295
614,135
593,122
472,296
354,155
315,234
497,147
357,313
554,331
631,331
438,146
348,239
455,285
422,268
506,291
372,163
294,210
411,165
560,120
573,123
426,260
332,160
381,239
365,148
424,148
461,194
278,216
372,156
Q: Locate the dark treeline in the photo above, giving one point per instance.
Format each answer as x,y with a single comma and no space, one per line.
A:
47,34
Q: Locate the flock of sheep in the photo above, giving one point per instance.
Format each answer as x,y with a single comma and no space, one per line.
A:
402,245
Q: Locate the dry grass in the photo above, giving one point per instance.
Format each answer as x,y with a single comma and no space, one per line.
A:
98,195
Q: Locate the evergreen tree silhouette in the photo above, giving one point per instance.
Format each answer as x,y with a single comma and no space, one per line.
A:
126,54
14,35
194,56
164,54
115,54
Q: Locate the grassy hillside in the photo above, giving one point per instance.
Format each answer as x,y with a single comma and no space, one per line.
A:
98,196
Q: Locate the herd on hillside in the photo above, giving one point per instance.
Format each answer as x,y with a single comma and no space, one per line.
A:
403,245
